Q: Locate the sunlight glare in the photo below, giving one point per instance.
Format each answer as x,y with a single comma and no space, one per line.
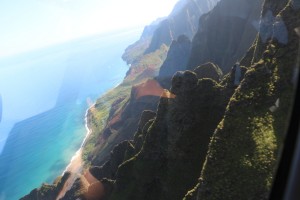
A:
48,22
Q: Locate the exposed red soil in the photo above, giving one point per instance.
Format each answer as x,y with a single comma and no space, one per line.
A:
151,88
115,119
96,189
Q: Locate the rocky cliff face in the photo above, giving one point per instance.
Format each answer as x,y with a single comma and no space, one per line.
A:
79,190
168,151
123,123
135,51
176,60
256,117
246,136
226,33
176,142
47,191
124,151
224,36
182,21
269,13
224,128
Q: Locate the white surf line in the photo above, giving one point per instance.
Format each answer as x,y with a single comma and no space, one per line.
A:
88,132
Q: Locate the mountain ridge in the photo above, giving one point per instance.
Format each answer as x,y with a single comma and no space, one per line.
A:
203,124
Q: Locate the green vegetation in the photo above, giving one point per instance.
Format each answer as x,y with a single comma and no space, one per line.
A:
47,191
229,133
147,67
209,70
248,140
245,143
176,142
98,116
136,51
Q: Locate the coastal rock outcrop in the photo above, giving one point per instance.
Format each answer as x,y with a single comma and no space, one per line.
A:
135,51
78,190
46,191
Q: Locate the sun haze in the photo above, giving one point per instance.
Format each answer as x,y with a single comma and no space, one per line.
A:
32,24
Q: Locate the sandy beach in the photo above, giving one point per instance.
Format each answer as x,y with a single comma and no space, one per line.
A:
76,164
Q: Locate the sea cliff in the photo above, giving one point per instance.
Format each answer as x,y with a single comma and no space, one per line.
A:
201,129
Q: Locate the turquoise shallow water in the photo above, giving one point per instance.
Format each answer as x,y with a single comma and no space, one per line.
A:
45,95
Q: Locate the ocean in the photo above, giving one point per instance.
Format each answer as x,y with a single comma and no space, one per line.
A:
44,96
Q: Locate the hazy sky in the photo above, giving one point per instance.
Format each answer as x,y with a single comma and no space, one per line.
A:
30,24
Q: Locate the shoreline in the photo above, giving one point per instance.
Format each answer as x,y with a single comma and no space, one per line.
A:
76,161
75,164
76,158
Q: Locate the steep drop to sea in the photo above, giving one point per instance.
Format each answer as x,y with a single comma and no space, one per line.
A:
57,84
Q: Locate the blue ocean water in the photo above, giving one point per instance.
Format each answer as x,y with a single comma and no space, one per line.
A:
45,94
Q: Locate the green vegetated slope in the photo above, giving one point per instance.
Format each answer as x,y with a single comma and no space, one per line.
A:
47,191
183,20
98,116
222,122
241,121
245,148
135,51
115,116
145,64
114,104
176,142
